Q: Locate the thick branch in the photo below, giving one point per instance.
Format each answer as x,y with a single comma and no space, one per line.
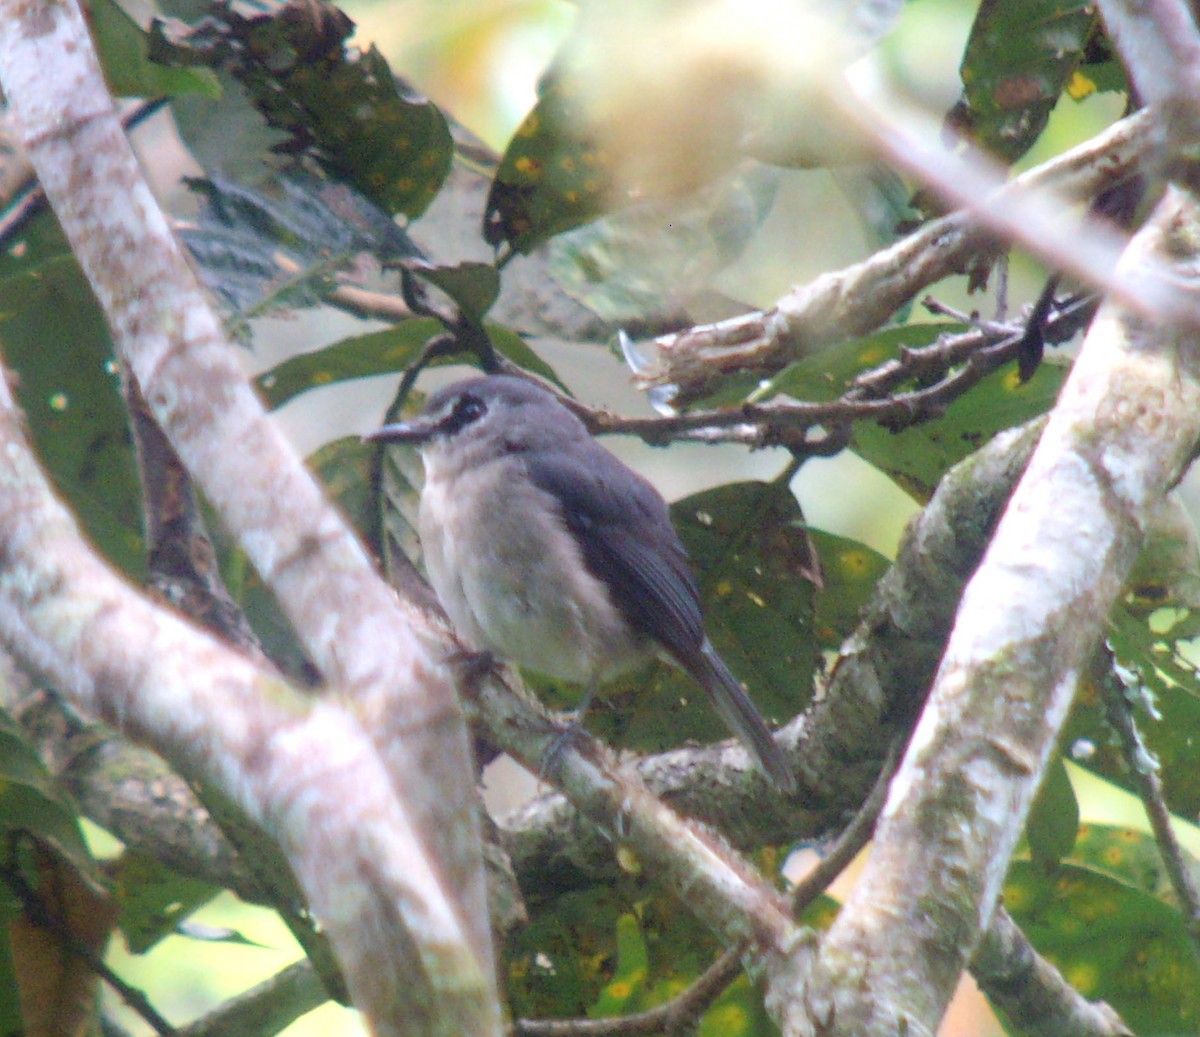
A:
349,621
303,768
1033,993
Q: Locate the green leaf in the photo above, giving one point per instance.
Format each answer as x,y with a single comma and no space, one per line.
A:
850,571
550,179
124,53
917,457
1053,821
55,339
595,954
345,467
343,107
10,1000
1101,71
380,352
260,252
30,801
633,964
1130,856
154,900
1112,942
473,286
360,356
1154,656
1018,60
561,961
260,606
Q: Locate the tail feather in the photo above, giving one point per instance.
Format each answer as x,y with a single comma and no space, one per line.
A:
729,698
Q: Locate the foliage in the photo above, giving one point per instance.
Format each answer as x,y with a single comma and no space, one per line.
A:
781,597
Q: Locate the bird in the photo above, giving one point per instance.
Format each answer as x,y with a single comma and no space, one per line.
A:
544,548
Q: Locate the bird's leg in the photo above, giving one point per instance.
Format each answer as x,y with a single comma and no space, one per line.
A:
572,731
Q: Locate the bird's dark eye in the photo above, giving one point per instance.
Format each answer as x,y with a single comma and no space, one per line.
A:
467,408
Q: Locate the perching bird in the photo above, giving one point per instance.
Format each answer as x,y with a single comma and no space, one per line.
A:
546,549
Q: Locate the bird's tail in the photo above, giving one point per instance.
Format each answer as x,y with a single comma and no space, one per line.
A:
741,715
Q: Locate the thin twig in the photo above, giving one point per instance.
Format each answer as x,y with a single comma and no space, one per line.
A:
958,361
1143,773
665,1018
266,1008
853,838
37,912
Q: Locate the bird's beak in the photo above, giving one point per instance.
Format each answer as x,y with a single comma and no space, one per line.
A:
417,431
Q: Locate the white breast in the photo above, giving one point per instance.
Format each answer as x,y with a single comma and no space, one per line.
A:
511,577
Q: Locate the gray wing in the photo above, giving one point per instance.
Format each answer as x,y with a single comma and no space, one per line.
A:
625,534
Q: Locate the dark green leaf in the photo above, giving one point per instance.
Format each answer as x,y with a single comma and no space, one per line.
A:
124,53
362,356
260,606
917,457
38,240
594,954
1053,821
1102,77
1101,71
550,179
1112,942
31,802
472,286
1154,658
850,571
55,339
11,1023
560,962
827,374
154,899
259,252
1018,60
344,108
345,468
380,352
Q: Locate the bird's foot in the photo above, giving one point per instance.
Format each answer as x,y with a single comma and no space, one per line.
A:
569,735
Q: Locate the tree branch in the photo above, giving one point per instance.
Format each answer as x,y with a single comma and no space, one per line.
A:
425,905
1032,992
861,298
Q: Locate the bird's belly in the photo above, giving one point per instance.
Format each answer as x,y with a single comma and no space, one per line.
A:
514,581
